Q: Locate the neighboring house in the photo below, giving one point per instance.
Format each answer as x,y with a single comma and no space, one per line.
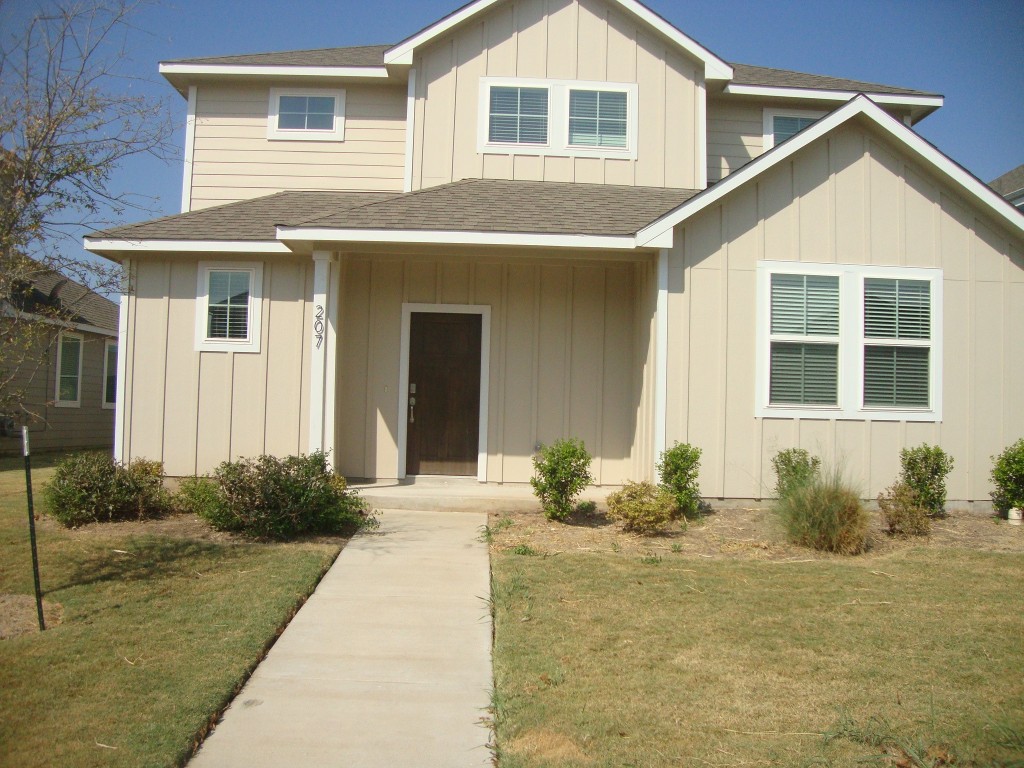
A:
66,365
1011,186
535,220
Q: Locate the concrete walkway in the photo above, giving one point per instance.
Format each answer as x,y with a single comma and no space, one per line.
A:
388,663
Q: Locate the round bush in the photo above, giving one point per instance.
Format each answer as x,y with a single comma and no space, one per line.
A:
678,468
643,507
825,514
561,472
924,469
1008,478
902,511
793,467
92,487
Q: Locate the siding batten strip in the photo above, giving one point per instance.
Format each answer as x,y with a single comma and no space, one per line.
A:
661,358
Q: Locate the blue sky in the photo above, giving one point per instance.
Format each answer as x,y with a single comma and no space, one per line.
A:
971,52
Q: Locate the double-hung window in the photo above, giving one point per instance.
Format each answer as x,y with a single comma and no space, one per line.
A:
848,342
780,125
228,307
564,118
306,114
69,369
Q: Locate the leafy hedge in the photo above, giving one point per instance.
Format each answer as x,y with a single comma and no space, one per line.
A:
92,487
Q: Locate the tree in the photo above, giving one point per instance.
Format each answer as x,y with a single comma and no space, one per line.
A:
70,115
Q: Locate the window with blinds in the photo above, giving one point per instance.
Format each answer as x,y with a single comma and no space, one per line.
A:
897,342
598,118
69,369
518,115
228,305
785,126
804,356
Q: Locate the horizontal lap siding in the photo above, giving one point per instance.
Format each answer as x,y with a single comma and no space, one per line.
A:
851,198
562,363
735,137
561,40
234,160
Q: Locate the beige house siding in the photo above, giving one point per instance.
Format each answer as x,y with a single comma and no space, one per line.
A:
568,354
89,425
234,160
193,410
563,40
849,198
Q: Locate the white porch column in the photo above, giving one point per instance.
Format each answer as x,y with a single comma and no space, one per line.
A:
661,359
323,351
120,449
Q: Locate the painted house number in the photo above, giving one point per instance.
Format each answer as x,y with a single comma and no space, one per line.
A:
318,325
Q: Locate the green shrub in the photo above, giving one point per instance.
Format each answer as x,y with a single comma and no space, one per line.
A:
824,513
561,472
678,468
275,498
1008,478
643,507
924,469
793,467
902,511
93,487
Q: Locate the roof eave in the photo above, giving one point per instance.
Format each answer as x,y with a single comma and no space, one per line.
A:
121,248
181,75
919,105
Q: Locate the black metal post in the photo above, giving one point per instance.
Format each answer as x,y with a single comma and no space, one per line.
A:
32,527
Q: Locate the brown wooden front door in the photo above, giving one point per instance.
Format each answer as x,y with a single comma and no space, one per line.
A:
444,394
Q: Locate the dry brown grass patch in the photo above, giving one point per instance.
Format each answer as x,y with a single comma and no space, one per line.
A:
550,746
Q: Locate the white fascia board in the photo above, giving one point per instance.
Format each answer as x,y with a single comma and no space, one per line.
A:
434,237
779,92
860,105
185,246
256,70
714,67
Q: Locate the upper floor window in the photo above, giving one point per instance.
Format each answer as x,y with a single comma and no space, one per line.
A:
780,125
306,114
557,117
109,374
849,342
228,307
69,369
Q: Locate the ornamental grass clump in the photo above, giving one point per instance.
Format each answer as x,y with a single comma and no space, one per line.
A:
678,468
824,513
924,469
561,472
276,498
93,487
902,511
1008,478
643,507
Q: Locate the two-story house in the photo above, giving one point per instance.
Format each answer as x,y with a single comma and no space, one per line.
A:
538,219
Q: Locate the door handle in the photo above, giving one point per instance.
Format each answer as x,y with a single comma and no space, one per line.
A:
412,412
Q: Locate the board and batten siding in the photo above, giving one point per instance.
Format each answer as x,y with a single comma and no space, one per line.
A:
193,410
569,357
561,40
851,198
234,160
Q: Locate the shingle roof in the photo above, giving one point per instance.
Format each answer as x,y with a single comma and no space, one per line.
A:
747,74
1010,182
356,56
525,207
475,205
254,220
75,302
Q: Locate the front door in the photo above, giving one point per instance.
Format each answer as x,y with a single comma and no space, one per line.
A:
444,394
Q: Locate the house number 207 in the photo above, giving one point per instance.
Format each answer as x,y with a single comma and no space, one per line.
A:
318,325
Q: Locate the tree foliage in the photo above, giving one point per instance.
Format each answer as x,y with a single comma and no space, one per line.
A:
70,115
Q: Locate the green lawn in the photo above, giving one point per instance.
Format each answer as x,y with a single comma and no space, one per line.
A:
157,633
602,660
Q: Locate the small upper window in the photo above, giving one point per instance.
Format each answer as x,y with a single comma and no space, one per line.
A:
228,307
780,125
598,118
110,374
518,115
306,114
69,369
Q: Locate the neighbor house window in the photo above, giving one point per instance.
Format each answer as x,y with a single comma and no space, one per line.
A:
109,374
228,307
69,369
306,114
562,118
780,125
849,342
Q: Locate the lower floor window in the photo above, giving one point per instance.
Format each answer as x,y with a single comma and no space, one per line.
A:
69,369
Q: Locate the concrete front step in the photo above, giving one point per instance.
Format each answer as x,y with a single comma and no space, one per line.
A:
459,494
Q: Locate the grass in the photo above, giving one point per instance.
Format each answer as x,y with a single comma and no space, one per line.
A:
602,661
157,633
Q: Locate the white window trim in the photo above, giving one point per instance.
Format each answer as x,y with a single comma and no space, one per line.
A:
768,127
107,405
851,343
76,403
306,134
558,119
255,318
